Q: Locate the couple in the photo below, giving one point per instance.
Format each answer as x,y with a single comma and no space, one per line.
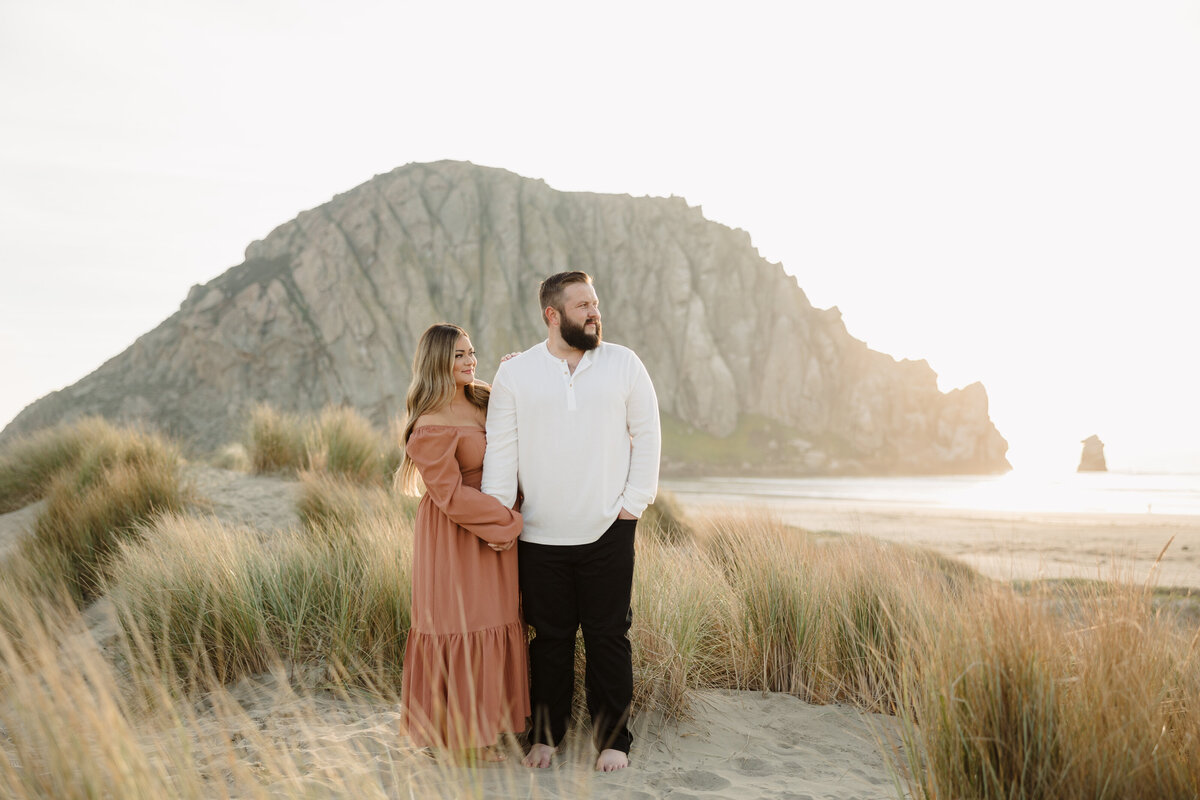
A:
572,428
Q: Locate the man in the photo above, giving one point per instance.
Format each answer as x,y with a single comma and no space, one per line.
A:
573,422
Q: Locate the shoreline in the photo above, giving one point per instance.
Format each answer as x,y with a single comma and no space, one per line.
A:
1005,545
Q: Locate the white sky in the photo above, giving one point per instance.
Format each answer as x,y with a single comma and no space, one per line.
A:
1010,190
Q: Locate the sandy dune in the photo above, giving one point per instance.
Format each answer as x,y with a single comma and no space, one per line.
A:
738,745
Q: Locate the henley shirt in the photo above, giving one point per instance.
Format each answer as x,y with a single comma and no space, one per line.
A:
580,446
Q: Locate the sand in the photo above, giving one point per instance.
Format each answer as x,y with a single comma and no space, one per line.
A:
738,744
1003,545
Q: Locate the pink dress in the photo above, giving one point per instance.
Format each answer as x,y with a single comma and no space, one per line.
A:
466,676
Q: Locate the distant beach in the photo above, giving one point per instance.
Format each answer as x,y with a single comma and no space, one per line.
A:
1011,527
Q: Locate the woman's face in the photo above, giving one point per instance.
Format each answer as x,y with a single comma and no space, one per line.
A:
464,361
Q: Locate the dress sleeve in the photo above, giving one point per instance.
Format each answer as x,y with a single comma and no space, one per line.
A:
432,450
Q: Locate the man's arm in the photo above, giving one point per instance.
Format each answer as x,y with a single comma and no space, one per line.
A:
641,409
500,459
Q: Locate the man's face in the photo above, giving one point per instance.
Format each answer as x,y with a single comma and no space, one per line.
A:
579,317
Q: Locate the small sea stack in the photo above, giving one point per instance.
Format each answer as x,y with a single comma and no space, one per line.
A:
1092,458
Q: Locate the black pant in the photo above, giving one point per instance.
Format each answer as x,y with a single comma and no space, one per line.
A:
564,588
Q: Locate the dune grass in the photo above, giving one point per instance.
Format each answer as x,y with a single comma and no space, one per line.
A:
1013,700
338,441
213,601
274,440
232,457
29,465
74,727
824,618
1091,692
686,632
337,505
99,481
664,520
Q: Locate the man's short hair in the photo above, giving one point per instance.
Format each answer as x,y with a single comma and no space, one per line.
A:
550,293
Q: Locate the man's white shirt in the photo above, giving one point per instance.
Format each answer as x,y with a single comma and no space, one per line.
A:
579,446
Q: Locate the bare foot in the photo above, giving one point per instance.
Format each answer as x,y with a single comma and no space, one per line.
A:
612,760
538,756
492,755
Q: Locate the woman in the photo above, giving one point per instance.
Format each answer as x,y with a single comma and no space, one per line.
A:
465,666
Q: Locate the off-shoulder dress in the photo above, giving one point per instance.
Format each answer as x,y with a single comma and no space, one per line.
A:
465,677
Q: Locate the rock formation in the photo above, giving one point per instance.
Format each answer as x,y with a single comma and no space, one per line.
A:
1092,458
328,308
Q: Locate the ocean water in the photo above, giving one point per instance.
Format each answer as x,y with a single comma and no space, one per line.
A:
1091,493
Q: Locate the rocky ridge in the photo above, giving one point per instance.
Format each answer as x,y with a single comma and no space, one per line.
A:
329,306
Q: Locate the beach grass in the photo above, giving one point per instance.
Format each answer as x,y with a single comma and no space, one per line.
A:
664,520
338,441
1015,699
215,603
233,456
274,440
99,482
335,504
29,465
1086,689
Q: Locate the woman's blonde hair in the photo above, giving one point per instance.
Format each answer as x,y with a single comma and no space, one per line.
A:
432,389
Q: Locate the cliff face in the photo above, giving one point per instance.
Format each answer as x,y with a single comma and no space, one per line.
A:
328,309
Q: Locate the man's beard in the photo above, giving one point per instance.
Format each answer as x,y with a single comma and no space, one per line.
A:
576,336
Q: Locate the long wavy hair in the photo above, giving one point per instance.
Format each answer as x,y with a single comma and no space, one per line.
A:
431,390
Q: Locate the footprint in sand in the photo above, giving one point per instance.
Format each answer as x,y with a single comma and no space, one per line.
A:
702,781
753,766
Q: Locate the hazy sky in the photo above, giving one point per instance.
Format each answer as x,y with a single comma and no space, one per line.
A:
1010,190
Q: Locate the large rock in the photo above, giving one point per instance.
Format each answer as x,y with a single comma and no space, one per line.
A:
1092,457
328,308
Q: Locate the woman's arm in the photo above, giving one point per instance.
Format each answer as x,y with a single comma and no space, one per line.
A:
432,450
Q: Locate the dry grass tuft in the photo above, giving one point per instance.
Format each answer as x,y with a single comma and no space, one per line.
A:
822,619
686,632
232,457
274,440
338,441
342,442
30,464
1091,692
664,520
117,478
334,504
213,601
1097,697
